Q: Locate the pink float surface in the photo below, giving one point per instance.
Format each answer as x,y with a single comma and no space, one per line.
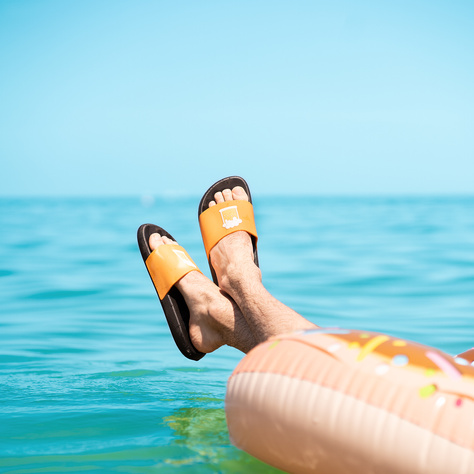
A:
345,401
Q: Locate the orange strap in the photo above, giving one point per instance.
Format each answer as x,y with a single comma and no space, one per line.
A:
225,218
166,265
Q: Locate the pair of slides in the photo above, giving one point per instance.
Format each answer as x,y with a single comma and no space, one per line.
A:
169,263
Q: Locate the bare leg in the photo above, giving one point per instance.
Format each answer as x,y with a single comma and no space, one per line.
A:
215,319
240,278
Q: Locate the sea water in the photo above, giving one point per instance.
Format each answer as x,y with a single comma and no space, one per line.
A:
90,379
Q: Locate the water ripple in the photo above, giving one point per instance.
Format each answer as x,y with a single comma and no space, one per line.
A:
91,379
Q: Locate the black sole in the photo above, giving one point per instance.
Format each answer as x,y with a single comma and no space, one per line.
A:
226,183
173,304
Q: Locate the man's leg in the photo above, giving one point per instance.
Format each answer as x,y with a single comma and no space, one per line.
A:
240,278
240,313
215,319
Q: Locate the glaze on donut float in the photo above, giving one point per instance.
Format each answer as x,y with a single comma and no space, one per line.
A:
348,401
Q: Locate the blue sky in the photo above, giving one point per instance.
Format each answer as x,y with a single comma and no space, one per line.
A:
164,97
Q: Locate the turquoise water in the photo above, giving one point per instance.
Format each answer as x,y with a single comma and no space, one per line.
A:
90,380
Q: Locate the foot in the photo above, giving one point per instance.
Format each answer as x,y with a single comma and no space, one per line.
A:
237,275
215,319
232,257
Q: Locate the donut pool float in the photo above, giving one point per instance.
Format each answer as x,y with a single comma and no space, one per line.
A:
348,401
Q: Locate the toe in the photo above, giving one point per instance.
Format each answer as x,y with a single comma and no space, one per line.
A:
227,193
219,197
239,194
168,241
155,241
236,194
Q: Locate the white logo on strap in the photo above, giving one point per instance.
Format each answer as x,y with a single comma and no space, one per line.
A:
230,217
184,258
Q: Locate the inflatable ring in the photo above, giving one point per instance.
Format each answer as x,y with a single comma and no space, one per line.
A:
349,401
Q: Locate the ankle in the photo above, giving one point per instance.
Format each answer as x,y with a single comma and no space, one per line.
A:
240,280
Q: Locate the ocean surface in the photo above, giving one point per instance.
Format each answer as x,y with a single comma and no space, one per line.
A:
90,379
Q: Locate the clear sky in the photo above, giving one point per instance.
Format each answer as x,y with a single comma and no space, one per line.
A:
111,97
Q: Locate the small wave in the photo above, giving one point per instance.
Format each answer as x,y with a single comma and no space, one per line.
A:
130,373
62,294
5,272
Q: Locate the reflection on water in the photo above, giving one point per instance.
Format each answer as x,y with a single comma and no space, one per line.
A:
203,433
